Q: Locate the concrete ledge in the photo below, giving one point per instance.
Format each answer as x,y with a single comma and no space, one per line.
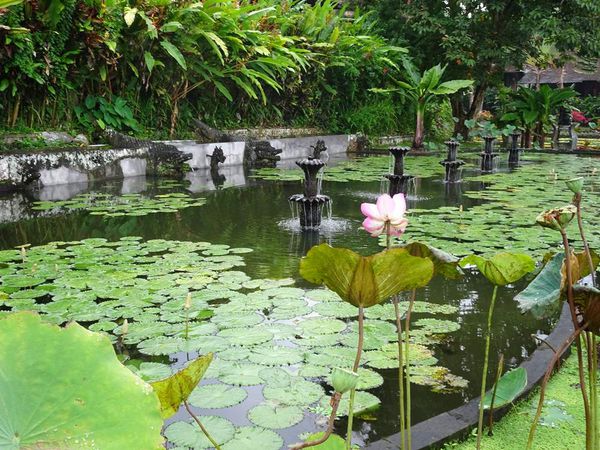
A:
458,423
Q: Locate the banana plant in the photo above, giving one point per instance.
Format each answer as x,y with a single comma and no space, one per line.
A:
533,110
421,89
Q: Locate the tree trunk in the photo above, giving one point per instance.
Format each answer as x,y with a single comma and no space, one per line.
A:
420,127
475,107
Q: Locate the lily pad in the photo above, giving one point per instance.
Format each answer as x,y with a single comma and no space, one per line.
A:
275,417
254,437
189,434
217,396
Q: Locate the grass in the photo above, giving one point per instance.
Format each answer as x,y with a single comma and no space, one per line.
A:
562,425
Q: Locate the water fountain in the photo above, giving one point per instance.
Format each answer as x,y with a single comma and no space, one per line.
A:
451,164
488,156
310,203
399,182
514,152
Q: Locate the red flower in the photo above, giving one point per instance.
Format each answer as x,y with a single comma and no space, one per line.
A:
579,117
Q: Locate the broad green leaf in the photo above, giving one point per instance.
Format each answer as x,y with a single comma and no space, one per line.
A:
70,388
248,437
333,442
444,263
542,295
275,416
217,396
174,52
149,59
450,87
189,434
502,268
365,281
510,385
177,388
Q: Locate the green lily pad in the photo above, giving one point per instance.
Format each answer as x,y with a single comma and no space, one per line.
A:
254,437
217,396
189,434
275,417
299,393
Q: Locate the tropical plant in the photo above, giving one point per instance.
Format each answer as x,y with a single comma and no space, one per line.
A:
533,110
500,269
421,89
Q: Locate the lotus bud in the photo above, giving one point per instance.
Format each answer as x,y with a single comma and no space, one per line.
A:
575,185
557,218
188,301
343,380
125,327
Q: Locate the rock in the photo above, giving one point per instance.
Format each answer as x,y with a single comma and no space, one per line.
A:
81,140
56,137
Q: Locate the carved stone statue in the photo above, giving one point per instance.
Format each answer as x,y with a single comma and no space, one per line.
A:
259,154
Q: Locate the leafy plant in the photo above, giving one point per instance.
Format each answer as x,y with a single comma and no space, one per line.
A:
421,89
99,112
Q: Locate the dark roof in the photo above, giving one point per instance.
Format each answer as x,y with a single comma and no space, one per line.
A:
571,74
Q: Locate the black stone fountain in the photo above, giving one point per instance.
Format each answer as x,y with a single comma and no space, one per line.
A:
311,202
514,152
451,164
399,182
488,157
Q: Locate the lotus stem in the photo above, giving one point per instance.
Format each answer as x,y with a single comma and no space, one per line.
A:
586,247
400,373
335,403
498,375
571,301
359,347
204,430
407,367
549,369
485,366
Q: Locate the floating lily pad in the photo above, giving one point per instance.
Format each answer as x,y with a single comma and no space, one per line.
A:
217,396
275,417
189,434
299,393
254,437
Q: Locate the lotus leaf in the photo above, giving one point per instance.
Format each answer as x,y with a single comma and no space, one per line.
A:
365,281
509,386
189,434
502,268
106,407
275,417
217,396
254,437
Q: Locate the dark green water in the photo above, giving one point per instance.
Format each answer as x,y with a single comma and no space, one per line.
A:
255,216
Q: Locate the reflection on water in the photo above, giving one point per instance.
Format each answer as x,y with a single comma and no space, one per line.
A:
256,214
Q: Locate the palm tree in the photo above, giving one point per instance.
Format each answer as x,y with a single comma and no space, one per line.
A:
421,89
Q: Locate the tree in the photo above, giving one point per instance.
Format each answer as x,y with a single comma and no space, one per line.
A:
421,89
480,39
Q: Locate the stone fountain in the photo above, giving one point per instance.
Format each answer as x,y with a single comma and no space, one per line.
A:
488,157
451,164
514,152
310,204
399,182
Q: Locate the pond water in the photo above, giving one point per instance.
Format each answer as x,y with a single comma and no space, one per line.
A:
488,213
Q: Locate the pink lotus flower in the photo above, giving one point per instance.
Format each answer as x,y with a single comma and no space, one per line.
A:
387,215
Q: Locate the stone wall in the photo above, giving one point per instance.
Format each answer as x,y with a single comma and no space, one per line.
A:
92,164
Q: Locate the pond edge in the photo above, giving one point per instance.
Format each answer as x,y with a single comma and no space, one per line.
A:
458,423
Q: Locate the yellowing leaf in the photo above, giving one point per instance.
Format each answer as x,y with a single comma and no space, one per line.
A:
177,388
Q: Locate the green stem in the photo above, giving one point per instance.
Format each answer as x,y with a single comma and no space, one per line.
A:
586,247
498,376
485,366
407,368
400,372
204,430
400,356
359,347
334,402
576,326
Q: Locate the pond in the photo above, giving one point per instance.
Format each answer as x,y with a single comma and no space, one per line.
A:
134,249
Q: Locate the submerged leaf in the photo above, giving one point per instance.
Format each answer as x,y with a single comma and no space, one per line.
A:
177,388
365,280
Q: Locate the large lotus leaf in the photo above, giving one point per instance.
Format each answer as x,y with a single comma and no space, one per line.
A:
502,268
444,263
365,280
543,293
587,299
177,388
333,442
65,388
509,386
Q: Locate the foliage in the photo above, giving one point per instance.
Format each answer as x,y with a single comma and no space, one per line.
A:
421,89
533,110
502,268
70,390
365,281
257,62
508,387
